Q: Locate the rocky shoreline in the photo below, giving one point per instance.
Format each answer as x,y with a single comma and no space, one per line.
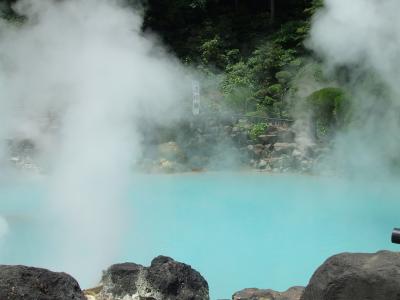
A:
346,276
206,146
273,148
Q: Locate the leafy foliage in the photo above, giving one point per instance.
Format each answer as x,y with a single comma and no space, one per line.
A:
329,107
257,129
257,58
267,72
250,61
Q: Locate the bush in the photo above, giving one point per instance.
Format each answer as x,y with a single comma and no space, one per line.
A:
257,129
212,52
329,108
267,73
283,76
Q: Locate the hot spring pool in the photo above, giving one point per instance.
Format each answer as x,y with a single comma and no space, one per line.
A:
239,230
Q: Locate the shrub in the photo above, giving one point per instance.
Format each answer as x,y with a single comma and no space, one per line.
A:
329,107
257,129
212,52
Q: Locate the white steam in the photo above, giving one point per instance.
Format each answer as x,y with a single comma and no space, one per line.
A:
3,227
78,77
360,31
364,36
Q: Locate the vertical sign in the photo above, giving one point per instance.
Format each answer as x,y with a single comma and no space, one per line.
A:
196,97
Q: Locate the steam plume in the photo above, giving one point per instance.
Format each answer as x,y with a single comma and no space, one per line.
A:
363,37
77,77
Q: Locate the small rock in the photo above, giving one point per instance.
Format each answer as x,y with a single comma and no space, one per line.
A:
297,153
268,147
305,165
284,148
171,151
258,152
286,136
166,165
293,293
262,164
268,168
228,129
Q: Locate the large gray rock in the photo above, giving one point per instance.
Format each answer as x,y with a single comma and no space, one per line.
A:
268,138
165,279
283,148
356,277
293,293
286,136
21,282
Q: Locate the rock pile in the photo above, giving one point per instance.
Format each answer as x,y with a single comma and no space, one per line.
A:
293,293
277,150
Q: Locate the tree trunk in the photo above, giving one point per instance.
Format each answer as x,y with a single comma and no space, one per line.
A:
272,11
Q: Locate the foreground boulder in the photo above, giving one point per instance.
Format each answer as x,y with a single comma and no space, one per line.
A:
356,277
293,293
165,279
21,282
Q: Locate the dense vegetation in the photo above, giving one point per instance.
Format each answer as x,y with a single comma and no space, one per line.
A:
253,49
253,55
250,56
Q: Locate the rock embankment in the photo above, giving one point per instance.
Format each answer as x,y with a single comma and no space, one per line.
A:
165,279
206,146
346,276
278,150
21,282
221,147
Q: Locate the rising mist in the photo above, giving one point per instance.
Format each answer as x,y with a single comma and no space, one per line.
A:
77,78
360,41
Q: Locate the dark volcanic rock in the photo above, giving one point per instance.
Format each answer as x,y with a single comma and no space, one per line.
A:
293,293
356,277
165,279
176,280
21,282
120,279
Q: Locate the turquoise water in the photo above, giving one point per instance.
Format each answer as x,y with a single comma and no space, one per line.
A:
239,230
